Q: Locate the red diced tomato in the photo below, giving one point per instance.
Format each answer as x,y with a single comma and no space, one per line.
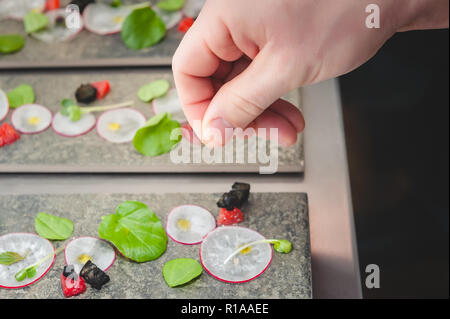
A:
8,134
230,217
102,87
72,287
185,24
52,5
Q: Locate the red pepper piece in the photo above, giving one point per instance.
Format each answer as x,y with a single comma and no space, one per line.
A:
52,5
72,287
8,134
185,24
102,87
230,217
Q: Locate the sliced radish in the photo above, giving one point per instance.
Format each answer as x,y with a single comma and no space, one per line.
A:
192,8
119,126
79,250
188,224
17,9
170,18
31,118
57,32
4,105
63,126
103,19
35,248
169,103
247,265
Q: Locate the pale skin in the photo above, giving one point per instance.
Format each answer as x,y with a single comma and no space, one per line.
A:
241,56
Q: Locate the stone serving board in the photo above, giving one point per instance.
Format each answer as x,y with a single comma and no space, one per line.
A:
86,49
274,215
50,152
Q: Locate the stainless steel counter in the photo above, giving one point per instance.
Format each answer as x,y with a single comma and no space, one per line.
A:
335,266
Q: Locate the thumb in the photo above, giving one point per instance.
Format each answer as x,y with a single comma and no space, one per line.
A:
241,100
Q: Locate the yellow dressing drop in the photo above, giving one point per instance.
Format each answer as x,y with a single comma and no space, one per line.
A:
34,120
183,224
246,250
118,19
113,126
83,258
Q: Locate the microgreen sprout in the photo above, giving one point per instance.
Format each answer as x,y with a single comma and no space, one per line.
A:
74,112
280,245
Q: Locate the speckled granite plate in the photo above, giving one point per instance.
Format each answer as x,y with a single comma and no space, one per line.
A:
49,152
274,215
86,49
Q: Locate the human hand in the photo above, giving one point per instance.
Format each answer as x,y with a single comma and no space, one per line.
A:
240,57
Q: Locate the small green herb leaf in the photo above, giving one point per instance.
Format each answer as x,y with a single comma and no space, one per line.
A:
10,257
135,230
116,3
158,136
53,227
23,94
282,246
170,5
181,270
21,275
34,22
10,43
153,90
31,272
142,28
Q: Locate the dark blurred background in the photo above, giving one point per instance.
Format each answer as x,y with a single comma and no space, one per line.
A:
396,117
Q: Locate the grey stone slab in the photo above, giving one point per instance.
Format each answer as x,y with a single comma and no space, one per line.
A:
49,152
274,215
86,49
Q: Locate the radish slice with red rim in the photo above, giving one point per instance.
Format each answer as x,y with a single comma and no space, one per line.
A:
192,8
31,118
170,18
63,126
4,105
188,224
169,103
120,125
247,265
102,19
17,9
57,31
35,248
81,249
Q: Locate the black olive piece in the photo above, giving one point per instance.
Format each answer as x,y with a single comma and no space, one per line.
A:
232,199
237,186
86,93
93,275
69,272
82,4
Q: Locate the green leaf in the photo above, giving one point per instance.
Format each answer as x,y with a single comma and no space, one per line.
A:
71,109
115,3
153,90
135,230
142,28
10,43
10,257
158,136
282,246
171,5
53,227
31,272
181,270
23,94
21,275
34,22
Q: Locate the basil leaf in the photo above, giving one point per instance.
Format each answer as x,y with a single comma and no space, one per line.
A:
53,227
34,22
171,5
158,136
142,28
10,43
23,94
135,230
179,271
10,257
153,90
282,246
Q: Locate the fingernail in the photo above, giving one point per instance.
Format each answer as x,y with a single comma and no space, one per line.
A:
218,132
